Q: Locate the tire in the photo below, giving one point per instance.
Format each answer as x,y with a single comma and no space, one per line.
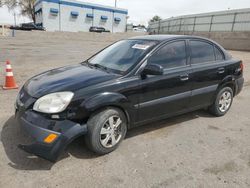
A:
101,137
217,108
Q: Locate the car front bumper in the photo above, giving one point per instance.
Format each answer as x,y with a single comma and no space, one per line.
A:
39,128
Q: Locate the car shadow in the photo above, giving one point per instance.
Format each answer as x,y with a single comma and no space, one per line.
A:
167,122
12,135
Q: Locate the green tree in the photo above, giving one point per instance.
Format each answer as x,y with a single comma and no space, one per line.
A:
155,19
27,7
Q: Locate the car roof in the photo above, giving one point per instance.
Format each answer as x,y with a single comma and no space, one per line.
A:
156,37
162,38
167,37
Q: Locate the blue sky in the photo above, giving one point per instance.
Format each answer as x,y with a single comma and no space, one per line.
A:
140,11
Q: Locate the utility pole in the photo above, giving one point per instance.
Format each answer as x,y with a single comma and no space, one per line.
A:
15,18
115,3
13,30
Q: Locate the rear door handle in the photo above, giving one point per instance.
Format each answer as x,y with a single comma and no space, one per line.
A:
184,77
221,70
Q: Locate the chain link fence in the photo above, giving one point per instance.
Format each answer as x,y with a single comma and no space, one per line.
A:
225,21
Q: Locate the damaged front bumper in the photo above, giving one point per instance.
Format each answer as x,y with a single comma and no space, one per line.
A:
40,128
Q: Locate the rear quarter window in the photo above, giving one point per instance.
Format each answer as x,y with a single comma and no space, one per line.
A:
218,54
201,52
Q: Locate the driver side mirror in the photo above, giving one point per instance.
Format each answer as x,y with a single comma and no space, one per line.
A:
153,69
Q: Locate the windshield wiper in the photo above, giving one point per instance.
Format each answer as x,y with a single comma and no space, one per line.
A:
99,66
95,65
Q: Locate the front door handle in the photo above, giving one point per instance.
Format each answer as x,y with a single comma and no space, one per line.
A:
184,77
221,70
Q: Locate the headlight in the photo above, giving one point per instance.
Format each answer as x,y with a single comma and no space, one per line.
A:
53,103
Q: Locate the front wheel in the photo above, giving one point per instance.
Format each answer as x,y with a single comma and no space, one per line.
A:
222,102
106,130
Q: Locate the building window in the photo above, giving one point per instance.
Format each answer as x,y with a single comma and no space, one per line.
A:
90,16
104,18
74,14
117,19
54,11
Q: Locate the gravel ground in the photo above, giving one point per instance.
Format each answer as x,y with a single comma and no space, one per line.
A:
191,150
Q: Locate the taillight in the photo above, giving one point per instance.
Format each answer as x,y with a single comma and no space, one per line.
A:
241,66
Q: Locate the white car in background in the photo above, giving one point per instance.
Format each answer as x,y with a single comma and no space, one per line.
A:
139,29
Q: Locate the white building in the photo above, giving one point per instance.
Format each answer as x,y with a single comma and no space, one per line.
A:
69,15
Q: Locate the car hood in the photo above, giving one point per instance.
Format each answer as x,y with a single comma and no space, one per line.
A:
69,78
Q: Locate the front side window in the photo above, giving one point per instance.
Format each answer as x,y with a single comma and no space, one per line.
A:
170,56
122,55
201,52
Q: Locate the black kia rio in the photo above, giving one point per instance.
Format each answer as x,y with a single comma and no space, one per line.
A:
127,84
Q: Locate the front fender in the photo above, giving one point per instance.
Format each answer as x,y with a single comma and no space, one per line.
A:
105,99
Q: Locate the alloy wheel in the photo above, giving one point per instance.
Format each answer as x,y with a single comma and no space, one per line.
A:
111,132
225,101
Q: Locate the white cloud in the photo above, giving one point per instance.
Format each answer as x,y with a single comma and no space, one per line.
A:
140,11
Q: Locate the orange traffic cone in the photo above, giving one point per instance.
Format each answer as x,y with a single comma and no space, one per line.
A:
9,79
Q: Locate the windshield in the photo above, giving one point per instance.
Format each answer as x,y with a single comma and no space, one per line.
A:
122,55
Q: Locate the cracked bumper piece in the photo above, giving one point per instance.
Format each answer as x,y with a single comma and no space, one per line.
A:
50,137
239,85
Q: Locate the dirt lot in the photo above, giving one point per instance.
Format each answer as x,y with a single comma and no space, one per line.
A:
192,150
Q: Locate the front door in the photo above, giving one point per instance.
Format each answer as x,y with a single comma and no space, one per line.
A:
163,95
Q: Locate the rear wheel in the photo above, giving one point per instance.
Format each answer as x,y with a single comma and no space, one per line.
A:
106,130
222,102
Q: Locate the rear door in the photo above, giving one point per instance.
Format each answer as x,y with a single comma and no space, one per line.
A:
207,62
163,95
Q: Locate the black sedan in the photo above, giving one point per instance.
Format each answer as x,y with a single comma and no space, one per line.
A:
127,84
98,29
28,27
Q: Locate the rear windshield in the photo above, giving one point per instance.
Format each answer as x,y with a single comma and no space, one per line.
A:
122,55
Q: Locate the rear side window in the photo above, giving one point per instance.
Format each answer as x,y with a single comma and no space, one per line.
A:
201,52
218,54
170,56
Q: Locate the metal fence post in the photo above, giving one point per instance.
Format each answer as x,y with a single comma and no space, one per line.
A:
211,23
168,26
194,23
159,26
235,14
180,25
